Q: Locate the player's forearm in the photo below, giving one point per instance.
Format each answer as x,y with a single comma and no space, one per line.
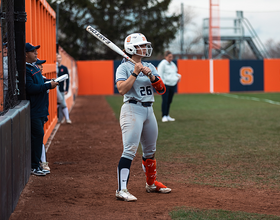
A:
152,78
125,86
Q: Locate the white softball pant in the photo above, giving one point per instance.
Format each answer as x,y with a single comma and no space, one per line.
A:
138,124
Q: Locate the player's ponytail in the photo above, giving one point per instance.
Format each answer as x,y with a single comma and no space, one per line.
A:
130,56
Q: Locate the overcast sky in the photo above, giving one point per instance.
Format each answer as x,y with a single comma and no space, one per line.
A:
264,15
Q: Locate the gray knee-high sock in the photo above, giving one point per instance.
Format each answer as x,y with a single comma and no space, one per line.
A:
43,156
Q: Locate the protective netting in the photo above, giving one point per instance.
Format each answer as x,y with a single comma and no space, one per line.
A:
8,71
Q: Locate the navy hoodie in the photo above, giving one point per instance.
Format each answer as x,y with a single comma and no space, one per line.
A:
36,91
61,71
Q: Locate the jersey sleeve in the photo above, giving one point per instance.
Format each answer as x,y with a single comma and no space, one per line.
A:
121,73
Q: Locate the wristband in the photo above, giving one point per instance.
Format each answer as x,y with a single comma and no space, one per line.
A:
156,79
134,74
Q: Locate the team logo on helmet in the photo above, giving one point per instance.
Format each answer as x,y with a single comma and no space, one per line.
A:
128,39
143,37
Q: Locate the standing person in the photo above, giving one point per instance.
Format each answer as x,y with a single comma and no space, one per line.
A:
170,77
43,163
61,70
39,64
137,120
36,92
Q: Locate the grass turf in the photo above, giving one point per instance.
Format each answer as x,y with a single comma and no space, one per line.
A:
220,141
223,141
181,213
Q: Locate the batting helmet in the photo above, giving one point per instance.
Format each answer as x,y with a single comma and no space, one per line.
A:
132,45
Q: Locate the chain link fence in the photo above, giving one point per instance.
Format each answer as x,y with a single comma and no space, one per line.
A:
9,74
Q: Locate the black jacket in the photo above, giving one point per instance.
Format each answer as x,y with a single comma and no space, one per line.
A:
36,91
61,71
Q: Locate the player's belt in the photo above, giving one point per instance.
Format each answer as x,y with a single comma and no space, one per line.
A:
145,104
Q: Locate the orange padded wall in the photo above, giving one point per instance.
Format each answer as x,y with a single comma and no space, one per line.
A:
271,75
195,76
221,75
96,77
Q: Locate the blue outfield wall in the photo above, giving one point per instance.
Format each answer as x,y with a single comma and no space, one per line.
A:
247,75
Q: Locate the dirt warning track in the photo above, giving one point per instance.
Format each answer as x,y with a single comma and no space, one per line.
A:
83,158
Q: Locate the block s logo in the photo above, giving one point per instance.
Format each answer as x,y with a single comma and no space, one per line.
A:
246,75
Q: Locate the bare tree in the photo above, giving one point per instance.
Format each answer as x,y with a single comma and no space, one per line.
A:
247,53
273,48
192,33
193,42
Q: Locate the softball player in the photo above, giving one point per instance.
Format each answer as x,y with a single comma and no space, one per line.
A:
137,120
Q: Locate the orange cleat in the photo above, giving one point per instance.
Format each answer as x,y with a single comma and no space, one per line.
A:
157,187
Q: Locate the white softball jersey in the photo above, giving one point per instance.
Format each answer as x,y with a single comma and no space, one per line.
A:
142,89
138,123
168,72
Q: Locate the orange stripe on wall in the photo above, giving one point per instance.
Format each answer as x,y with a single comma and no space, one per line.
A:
96,77
271,75
195,76
221,75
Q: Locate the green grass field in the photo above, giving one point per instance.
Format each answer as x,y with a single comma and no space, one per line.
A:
181,213
221,140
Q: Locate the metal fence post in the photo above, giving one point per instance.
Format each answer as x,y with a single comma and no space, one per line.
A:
20,19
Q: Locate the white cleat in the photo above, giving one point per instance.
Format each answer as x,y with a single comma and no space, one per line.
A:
170,119
164,119
125,195
157,187
45,165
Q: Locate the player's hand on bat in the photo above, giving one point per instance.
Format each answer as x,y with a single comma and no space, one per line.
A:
146,70
138,68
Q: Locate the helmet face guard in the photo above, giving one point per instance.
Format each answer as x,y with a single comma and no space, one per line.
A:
133,45
144,51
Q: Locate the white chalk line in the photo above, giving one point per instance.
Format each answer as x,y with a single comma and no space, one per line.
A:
248,98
